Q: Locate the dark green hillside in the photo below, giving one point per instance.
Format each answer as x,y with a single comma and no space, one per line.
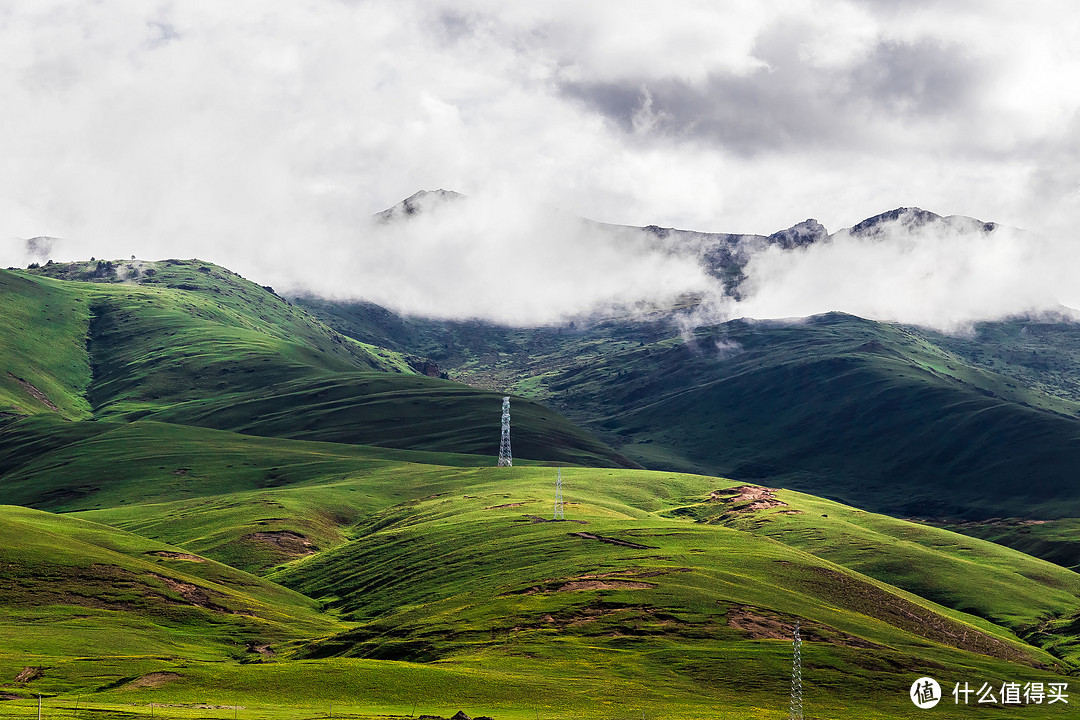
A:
1041,352
411,412
887,417
487,355
841,407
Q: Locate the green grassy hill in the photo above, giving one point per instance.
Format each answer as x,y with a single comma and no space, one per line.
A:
446,585
192,343
44,365
845,408
94,606
196,514
886,417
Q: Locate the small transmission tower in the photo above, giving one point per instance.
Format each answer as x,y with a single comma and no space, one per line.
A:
796,678
558,497
505,458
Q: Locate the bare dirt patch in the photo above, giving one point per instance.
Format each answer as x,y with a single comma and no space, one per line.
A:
195,595
630,579
34,392
290,543
538,519
261,649
29,674
153,680
9,696
759,624
603,585
505,505
176,555
748,498
853,594
613,541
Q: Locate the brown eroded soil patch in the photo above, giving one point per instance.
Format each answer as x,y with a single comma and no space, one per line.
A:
613,541
9,696
29,674
34,392
603,585
615,580
153,680
860,596
290,543
504,505
261,649
195,595
176,555
761,624
538,519
748,498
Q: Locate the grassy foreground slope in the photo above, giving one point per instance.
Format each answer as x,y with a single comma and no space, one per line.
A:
95,604
458,572
445,587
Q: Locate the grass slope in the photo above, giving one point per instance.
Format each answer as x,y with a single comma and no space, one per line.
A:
446,566
94,604
44,365
189,342
412,412
890,418
450,591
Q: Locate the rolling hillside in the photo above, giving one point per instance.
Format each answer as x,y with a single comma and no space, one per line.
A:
189,342
212,499
444,583
954,430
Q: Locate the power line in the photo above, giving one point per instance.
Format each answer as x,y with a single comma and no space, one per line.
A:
505,457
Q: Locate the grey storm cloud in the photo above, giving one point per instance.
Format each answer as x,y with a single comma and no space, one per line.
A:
790,104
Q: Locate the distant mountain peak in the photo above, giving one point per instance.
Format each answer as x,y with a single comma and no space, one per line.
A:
913,218
41,247
802,234
417,203
908,217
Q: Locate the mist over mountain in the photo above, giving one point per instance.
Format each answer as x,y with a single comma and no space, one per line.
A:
906,265
509,260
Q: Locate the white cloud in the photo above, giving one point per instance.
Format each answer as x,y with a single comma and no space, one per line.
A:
261,134
944,275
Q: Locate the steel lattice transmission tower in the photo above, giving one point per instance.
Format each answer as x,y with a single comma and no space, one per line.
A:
505,457
558,497
796,678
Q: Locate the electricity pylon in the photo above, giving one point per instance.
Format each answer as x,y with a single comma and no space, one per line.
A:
796,678
558,497
505,458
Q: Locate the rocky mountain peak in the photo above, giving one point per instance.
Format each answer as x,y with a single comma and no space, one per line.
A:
418,202
805,233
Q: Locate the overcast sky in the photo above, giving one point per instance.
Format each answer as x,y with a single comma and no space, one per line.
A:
261,134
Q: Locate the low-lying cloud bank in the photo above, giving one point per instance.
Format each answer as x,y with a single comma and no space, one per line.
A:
945,274
502,259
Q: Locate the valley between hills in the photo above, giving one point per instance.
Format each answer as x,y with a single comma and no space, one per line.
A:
227,502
